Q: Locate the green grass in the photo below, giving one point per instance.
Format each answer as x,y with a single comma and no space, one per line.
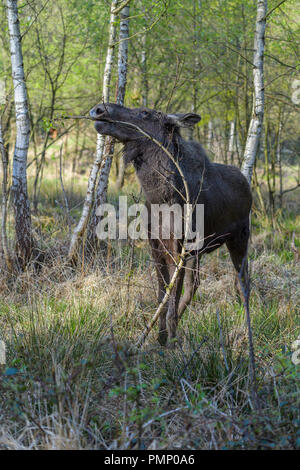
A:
70,382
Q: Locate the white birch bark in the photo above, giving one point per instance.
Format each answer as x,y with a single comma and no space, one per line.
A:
197,20
278,157
19,177
144,71
101,194
122,79
123,55
88,203
254,131
210,136
231,141
4,158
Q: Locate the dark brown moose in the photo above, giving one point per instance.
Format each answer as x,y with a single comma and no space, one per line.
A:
222,189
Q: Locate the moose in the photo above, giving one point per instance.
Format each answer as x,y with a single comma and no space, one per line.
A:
224,191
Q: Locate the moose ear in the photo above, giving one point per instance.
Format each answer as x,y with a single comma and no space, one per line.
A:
185,120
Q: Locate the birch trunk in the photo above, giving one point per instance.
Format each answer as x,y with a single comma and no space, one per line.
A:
278,156
88,203
145,90
238,148
210,136
121,173
101,194
145,85
19,177
4,158
122,68
269,174
195,74
231,142
254,131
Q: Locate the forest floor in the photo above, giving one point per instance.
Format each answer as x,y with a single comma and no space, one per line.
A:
69,382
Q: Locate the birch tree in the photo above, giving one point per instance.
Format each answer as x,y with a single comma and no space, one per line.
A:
255,127
145,88
4,159
122,79
231,141
98,163
196,17
19,176
101,195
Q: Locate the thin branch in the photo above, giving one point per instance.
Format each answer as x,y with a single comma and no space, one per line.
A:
52,143
36,17
67,209
166,413
119,8
274,8
291,189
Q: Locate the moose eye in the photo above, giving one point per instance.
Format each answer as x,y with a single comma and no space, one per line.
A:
144,114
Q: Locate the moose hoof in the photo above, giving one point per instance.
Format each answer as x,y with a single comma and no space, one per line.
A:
163,337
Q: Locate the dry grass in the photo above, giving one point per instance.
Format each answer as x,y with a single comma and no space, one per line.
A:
71,384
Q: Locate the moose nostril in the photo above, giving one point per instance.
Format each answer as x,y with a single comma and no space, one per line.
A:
98,110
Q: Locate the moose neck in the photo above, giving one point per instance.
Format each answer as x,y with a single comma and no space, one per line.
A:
155,170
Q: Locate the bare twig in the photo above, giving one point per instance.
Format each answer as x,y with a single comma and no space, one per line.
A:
274,8
120,7
291,189
167,413
67,209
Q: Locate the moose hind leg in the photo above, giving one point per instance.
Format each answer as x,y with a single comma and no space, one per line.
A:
172,315
163,280
191,284
238,246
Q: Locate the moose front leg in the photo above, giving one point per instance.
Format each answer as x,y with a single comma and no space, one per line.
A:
191,283
163,280
238,247
172,314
